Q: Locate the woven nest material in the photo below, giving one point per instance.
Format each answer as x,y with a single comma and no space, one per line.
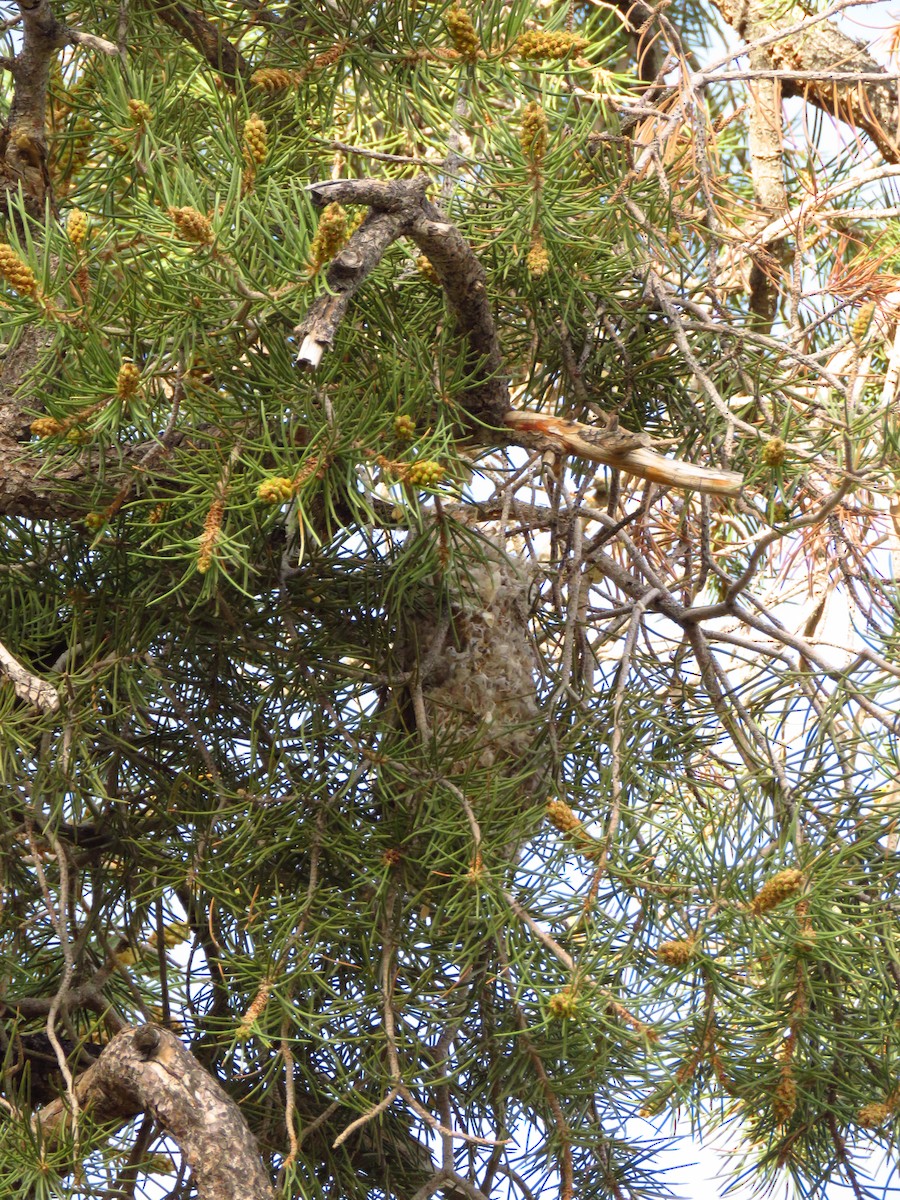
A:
481,682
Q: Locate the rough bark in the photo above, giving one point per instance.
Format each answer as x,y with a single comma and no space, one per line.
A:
207,38
767,165
148,1070
822,49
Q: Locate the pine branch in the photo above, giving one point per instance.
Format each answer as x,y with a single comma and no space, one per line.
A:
207,38
23,147
42,695
816,49
400,208
148,1070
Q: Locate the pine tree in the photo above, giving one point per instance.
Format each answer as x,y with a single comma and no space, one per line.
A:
448,673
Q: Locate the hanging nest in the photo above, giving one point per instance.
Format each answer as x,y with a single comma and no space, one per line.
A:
473,664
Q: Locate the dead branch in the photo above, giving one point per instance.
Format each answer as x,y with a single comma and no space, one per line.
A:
542,432
148,1070
36,691
820,48
400,208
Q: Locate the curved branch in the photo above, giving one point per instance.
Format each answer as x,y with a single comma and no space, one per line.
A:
207,39
148,1070
821,49
400,208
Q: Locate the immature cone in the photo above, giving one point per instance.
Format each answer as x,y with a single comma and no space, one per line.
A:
537,260
560,815
780,887
425,268
462,34
539,43
255,139
675,953
77,227
862,321
563,1004
127,380
255,1011
873,1115
140,113
275,490
43,427
773,452
533,137
404,427
330,236
16,273
212,527
784,1100
274,79
425,473
192,226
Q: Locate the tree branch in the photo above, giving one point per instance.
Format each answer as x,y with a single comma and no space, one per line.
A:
207,39
148,1070
821,49
400,208
23,147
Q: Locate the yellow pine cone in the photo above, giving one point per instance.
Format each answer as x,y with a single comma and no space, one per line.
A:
784,1100
533,136
537,260
16,273
780,887
139,112
212,527
862,321
676,953
255,1011
538,43
425,268
873,1115
462,34
275,490
773,452
330,236
563,1004
560,815
44,427
425,473
404,427
95,520
255,139
77,227
127,380
275,79
192,226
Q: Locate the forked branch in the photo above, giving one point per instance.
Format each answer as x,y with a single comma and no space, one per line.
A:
400,208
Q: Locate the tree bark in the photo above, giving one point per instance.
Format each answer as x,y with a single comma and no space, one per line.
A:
148,1070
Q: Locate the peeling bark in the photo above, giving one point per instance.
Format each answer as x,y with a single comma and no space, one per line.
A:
148,1070
821,48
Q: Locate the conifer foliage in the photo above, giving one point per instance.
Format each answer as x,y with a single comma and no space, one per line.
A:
449,498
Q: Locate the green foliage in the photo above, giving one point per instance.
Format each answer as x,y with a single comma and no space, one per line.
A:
265,814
